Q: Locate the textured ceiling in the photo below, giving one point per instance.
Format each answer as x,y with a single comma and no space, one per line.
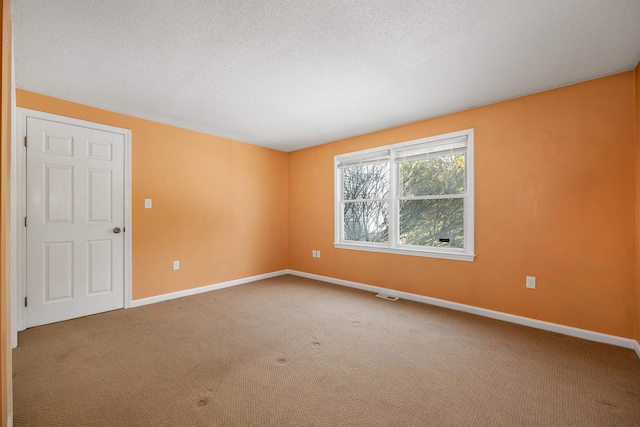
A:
289,74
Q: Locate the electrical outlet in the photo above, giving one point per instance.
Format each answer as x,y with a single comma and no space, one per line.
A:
176,265
530,282
147,203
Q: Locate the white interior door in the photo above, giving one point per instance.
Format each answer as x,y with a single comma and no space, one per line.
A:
75,221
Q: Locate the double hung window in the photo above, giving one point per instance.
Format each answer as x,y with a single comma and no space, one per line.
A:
413,198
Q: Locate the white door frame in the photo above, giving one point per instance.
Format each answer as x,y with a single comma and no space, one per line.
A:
19,207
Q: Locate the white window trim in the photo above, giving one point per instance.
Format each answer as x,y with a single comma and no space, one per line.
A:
394,247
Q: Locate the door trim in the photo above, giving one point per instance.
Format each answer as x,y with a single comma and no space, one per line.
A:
19,207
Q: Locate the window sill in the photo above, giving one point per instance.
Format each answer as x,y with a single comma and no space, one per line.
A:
423,253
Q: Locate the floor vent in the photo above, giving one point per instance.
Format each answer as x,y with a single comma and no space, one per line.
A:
385,296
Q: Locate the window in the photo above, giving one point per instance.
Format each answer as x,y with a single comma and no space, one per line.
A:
413,198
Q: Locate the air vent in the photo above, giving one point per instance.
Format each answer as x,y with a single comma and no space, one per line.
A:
385,296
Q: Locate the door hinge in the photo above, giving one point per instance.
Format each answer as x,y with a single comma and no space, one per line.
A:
25,141
25,221
26,304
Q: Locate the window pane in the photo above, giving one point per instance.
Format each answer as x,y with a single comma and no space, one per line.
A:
435,222
366,221
432,176
366,182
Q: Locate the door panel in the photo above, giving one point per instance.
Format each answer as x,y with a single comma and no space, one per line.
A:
99,265
75,198
58,193
58,271
99,187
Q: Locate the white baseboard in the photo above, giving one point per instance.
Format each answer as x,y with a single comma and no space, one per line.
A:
511,318
525,321
208,288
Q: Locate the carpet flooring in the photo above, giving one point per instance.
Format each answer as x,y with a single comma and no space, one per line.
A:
295,352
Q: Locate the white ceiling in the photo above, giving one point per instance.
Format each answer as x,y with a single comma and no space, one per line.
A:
290,74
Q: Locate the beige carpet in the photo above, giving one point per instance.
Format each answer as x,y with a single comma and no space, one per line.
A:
295,352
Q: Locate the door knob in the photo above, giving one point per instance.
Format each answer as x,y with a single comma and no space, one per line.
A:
116,230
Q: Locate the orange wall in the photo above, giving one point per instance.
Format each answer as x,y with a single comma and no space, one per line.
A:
555,199
5,201
637,75
219,206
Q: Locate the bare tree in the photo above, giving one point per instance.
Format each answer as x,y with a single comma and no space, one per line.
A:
431,206
366,215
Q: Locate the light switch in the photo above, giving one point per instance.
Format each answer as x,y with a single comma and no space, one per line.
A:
147,203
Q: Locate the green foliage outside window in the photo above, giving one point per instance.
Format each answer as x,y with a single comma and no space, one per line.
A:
431,207
432,221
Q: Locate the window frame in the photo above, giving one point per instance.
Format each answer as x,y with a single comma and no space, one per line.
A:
393,246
